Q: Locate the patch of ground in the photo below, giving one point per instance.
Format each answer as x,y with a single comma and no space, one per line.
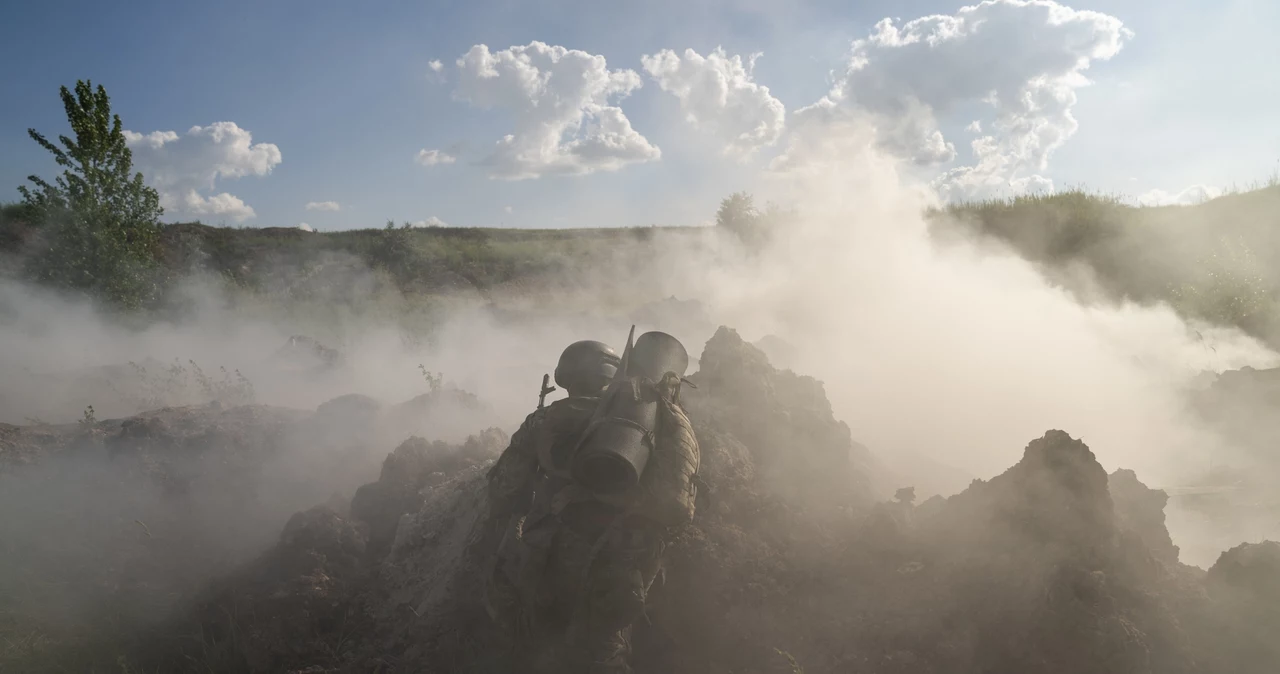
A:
107,525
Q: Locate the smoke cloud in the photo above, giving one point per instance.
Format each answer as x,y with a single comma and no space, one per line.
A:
955,352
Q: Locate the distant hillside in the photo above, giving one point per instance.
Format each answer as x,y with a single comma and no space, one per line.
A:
415,259
1219,261
422,259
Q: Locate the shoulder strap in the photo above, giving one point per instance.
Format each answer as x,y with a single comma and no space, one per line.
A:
555,417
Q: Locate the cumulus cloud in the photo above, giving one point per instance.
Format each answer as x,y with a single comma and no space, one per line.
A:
433,157
180,167
1023,58
436,66
305,227
432,221
221,204
1196,194
560,101
717,92
323,206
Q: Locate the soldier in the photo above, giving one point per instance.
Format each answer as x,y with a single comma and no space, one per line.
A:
574,572
584,371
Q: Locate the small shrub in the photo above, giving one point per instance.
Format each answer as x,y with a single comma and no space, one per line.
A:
791,661
435,380
176,384
754,227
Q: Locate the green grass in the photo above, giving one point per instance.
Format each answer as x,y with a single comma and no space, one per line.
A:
1218,261
418,259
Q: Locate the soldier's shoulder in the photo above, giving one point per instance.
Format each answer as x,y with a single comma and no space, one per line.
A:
576,402
575,405
571,409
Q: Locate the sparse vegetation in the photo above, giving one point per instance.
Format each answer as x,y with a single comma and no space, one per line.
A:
791,661
435,380
754,227
177,384
1218,261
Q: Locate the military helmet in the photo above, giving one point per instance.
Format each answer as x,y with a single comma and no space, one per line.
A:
586,367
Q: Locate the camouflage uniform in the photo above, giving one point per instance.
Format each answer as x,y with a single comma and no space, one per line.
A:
573,572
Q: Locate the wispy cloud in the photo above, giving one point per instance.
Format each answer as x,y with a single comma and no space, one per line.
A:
433,157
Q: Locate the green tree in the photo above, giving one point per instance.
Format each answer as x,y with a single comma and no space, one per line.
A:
738,214
99,221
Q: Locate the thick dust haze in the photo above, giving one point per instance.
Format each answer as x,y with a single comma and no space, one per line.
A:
942,359
962,350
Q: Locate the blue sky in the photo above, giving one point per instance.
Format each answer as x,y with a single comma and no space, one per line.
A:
346,94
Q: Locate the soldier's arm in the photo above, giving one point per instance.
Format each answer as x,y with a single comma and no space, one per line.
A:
511,477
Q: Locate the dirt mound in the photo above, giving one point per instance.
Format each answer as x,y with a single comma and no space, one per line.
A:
1250,569
107,525
784,420
1051,567
1140,511
413,466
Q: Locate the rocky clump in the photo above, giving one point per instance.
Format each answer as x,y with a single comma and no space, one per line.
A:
784,420
414,465
1251,570
1140,512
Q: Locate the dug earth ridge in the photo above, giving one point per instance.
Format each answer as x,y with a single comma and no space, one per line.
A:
791,563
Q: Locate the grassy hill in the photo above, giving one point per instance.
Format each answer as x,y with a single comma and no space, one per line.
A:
417,259
1218,261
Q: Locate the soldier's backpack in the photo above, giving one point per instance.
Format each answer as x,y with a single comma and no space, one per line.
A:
668,487
558,430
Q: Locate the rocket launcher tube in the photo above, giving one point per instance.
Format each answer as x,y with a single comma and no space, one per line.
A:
618,441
